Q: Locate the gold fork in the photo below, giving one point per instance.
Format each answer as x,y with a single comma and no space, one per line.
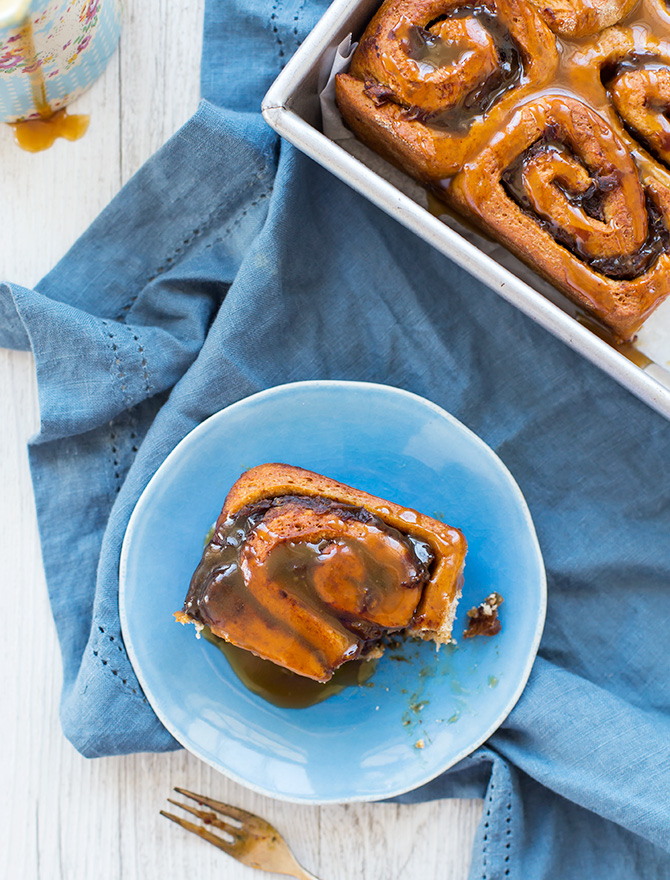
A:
252,841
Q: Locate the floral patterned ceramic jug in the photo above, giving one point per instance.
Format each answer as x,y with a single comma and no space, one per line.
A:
51,51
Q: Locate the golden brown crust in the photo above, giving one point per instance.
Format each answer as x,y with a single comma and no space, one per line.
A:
434,616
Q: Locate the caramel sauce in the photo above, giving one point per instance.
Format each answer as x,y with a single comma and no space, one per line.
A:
455,125
627,349
444,53
437,206
507,75
306,583
37,134
584,231
582,68
282,687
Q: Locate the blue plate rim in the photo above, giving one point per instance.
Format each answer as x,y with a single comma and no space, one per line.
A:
344,384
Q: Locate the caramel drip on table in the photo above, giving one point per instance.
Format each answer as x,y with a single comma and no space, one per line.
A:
35,135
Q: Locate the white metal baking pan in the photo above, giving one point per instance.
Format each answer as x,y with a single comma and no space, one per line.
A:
292,108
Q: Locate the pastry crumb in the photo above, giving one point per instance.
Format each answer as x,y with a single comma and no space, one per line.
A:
483,620
419,744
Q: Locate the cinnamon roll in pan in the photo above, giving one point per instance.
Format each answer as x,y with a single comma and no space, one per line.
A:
562,191
430,79
545,124
308,573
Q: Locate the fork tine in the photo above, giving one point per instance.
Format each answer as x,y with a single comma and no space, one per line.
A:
220,807
209,818
228,848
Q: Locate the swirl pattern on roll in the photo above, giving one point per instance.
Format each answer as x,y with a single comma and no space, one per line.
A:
309,573
546,123
429,77
642,97
633,67
560,189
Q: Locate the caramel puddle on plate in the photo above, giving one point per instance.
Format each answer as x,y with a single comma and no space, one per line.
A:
284,688
35,135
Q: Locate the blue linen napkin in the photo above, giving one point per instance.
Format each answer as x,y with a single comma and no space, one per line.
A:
229,264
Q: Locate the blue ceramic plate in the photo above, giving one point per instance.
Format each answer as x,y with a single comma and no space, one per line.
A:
362,743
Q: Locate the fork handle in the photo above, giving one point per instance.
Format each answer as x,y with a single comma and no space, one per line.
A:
304,875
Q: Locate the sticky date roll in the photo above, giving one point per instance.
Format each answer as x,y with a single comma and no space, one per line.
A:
561,190
641,96
309,573
633,67
430,78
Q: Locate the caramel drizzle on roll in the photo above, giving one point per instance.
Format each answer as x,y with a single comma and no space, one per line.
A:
641,96
579,183
560,189
309,573
428,76
559,146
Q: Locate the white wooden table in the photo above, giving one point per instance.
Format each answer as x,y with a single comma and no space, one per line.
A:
63,816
